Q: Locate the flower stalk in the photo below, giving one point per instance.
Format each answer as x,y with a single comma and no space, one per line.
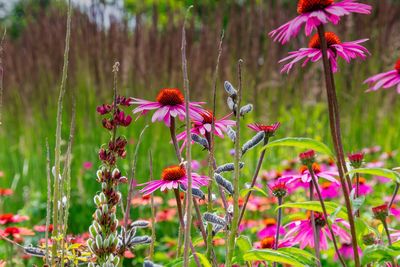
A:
334,121
238,152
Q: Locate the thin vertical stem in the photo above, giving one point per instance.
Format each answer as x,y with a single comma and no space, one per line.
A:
314,228
396,190
387,232
253,181
1,73
278,225
238,152
153,212
358,191
182,224
211,154
321,200
57,152
189,197
48,206
336,138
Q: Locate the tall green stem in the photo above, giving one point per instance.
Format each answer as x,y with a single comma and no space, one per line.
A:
336,138
314,228
238,152
387,232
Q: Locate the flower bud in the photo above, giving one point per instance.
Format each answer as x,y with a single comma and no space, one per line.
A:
279,189
381,212
356,159
307,158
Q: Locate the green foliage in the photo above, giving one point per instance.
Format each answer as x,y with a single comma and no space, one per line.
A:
301,142
380,254
287,256
331,207
393,175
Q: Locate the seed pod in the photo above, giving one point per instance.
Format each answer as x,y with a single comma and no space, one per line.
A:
224,183
140,224
139,240
214,219
103,198
99,241
200,140
195,192
231,134
216,228
230,89
34,251
228,167
148,263
116,261
245,109
99,174
253,142
98,214
92,231
231,104
105,208
90,245
106,242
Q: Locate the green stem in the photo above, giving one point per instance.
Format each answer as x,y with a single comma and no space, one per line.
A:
314,228
278,225
235,219
336,138
396,190
387,232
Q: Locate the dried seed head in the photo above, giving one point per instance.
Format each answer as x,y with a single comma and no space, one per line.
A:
224,183
140,224
195,192
231,134
214,219
253,142
231,104
230,89
245,109
200,140
139,240
228,167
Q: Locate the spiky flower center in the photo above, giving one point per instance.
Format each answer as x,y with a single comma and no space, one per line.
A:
173,173
326,185
315,167
397,66
330,37
361,180
269,222
319,219
207,117
170,97
268,242
305,6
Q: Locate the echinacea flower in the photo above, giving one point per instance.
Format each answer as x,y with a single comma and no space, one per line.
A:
6,192
11,218
269,242
269,229
204,126
363,188
305,175
336,48
346,250
16,233
170,102
381,212
42,228
269,130
172,177
329,190
313,13
385,80
301,231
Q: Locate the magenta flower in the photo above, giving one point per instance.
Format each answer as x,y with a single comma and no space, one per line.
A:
346,250
203,126
269,130
301,232
363,188
169,103
345,50
171,178
386,79
305,176
330,190
269,229
313,13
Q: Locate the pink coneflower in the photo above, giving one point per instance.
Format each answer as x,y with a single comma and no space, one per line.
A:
386,79
42,228
204,125
11,218
269,130
346,250
269,229
363,188
269,241
301,231
169,103
172,177
166,215
87,165
313,13
146,200
16,233
329,190
345,50
305,176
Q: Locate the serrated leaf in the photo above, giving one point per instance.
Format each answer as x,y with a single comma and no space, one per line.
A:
393,175
244,192
331,207
303,143
279,256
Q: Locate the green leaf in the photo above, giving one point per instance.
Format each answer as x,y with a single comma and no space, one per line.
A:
244,192
243,243
393,175
203,259
305,256
303,143
379,254
331,207
269,255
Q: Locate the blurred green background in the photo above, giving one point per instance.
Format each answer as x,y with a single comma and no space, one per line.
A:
145,36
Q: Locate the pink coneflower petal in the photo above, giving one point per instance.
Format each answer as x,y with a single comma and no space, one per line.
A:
313,13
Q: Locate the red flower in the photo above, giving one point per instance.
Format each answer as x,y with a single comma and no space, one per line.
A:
279,189
308,157
11,218
6,192
381,212
269,130
356,159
